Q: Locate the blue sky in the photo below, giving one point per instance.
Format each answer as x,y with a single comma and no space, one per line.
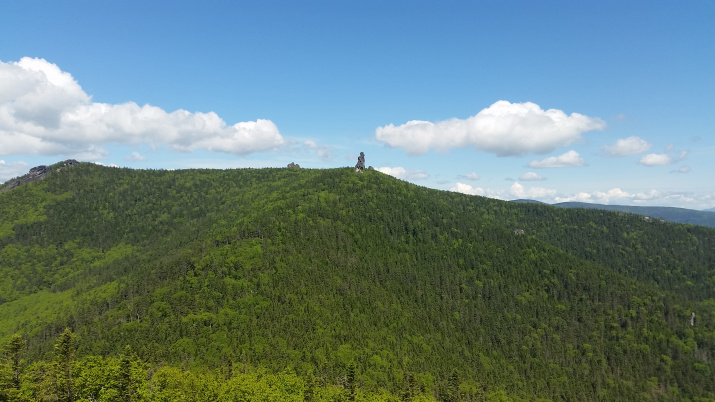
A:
608,102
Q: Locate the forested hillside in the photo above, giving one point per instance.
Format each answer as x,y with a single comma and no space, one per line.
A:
330,284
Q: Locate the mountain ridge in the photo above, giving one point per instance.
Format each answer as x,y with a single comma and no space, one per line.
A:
671,214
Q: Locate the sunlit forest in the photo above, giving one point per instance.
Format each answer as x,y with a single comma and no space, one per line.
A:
330,285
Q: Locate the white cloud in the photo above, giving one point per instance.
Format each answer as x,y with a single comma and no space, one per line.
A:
403,174
628,146
43,110
112,165
11,170
519,191
682,169
324,152
570,158
656,159
614,195
467,189
471,176
504,128
135,157
531,176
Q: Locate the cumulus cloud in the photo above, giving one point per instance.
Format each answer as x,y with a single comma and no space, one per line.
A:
664,158
656,159
519,191
9,170
43,110
467,189
570,158
403,174
504,128
628,146
531,176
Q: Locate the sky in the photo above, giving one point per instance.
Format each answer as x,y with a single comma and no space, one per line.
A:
608,102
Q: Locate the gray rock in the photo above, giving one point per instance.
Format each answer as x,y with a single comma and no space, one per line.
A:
360,163
36,173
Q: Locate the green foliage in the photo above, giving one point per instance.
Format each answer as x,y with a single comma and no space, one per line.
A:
11,366
64,360
281,284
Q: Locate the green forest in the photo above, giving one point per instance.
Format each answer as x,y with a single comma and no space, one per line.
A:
330,285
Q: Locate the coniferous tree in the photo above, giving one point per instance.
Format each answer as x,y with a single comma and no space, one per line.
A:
351,386
127,381
309,394
11,367
64,358
453,387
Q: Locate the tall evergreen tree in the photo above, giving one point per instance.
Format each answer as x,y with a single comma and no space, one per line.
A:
11,367
351,386
64,358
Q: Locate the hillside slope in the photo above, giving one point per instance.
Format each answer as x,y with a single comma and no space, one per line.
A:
310,271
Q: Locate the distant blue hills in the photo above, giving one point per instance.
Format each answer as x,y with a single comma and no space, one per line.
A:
671,214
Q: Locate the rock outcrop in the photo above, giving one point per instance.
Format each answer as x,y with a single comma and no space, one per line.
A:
36,173
360,163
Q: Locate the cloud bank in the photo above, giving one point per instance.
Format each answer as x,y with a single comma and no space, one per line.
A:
43,110
504,129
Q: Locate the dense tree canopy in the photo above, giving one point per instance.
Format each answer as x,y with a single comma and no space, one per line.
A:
331,282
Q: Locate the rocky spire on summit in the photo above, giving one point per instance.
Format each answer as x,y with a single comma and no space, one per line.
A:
360,163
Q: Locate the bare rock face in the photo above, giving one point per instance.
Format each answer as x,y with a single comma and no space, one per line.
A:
360,163
36,173
294,165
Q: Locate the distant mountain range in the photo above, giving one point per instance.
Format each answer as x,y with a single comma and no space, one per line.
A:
671,214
